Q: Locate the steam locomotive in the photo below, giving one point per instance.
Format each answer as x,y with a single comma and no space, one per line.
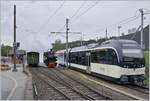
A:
50,59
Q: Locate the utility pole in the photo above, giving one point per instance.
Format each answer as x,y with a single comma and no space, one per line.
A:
15,44
119,31
67,32
23,61
106,34
142,14
67,29
96,39
81,39
7,51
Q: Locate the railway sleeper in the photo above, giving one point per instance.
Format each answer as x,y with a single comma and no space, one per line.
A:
61,87
74,97
69,91
61,98
51,90
66,90
81,93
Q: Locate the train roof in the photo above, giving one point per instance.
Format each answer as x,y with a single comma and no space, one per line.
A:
119,41
113,43
28,53
62,51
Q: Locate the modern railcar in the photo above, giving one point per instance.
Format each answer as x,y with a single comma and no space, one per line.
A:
33,59
117,59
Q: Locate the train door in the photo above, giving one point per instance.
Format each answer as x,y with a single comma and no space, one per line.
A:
88,62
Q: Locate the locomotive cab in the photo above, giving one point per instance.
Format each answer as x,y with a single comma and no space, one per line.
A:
133,63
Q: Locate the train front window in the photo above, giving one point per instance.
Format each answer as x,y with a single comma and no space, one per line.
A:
136,53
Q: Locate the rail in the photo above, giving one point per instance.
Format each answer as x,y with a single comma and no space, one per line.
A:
70,82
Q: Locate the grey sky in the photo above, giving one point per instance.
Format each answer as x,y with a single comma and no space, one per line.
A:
31,16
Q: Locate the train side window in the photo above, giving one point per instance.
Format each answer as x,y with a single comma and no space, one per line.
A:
79,58
94,57
102,56
72,57
82,58
76,57
64,56
112,57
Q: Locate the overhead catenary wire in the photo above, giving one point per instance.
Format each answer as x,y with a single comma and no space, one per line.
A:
118,23
50,17
130,20
81,6
133,36
122,22
125,21
81,14
146,10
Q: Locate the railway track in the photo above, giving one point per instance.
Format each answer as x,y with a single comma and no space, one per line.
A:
55,93
136,91
65,87
85,89
141,89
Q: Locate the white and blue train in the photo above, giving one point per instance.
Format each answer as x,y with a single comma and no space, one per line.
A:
117,59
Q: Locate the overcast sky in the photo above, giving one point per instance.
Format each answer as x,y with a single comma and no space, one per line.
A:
35,20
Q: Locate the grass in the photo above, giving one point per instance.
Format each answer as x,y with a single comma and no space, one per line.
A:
146,56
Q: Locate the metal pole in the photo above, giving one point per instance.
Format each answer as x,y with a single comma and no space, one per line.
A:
14,45
23,62
141,11
67,29
96,39
7,51
119,31
81,39
106,34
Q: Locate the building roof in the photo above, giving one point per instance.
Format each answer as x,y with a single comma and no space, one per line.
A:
19,52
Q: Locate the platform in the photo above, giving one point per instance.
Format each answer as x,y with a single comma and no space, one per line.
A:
13,84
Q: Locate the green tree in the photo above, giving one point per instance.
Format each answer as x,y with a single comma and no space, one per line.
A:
58,45
5,50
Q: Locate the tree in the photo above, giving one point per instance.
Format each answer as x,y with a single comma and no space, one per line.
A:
58,45
58,41
5,50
